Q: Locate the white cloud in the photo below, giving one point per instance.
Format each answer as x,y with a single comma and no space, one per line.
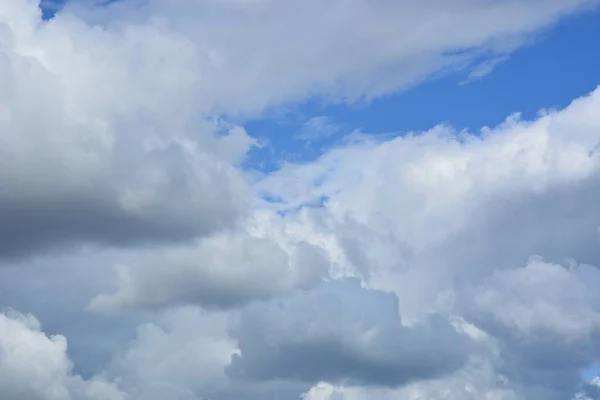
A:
110,134
447,220
417,203
317,128
544,298
181,355
260,53
34,366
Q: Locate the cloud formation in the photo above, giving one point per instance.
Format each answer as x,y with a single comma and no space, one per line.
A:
100,139
342,333
423,265
123,147
35,366
259,53
221,271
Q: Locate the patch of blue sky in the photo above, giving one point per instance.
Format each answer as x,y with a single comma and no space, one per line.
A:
590,373
284,210
562,64
51,7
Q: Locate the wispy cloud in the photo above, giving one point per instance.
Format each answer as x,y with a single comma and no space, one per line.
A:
317,128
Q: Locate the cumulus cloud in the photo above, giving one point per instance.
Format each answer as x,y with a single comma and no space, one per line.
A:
445,208
103,140
448,219
182,355
460,255
396,267
222,271
100,139
342,333
545,317
543,298
34,366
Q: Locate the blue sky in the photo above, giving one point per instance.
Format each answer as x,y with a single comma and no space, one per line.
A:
561,64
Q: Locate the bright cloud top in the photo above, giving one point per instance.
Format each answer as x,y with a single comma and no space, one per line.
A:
428,265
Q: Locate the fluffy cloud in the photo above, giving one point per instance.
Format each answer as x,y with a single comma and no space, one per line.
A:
447,220
118,152
546,319
222,271
544,298
342,333
100,140
34,366
446,208
182,355
387,268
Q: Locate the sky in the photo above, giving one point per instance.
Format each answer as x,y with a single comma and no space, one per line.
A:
299,200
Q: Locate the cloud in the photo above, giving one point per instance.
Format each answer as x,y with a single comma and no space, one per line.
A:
101,142
543,298
342,333
317,128
396,267
181,355
107,143
255,54
546,318
222,271
446,220
34,366
477,380
484,68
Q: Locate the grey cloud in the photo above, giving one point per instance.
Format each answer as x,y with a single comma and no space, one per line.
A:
342,333
30,226
546,319
222,271
55,289
92,146
182,354
590,391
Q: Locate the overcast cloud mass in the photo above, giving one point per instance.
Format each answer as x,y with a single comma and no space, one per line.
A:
142,257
